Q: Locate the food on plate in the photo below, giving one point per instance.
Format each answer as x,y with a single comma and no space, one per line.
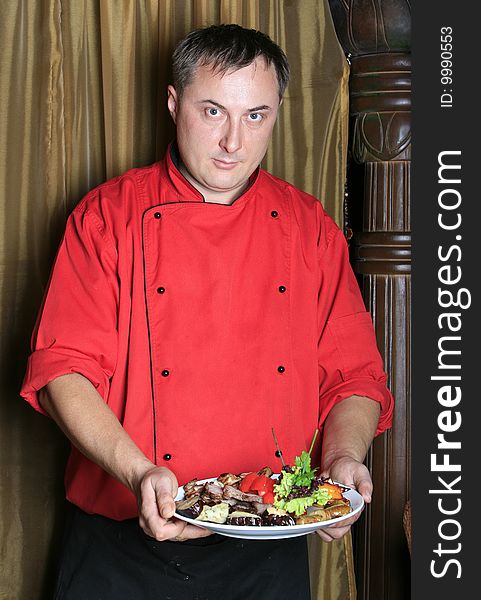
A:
337,509
299,488
272,519
216,513
296,496
190,507
238,517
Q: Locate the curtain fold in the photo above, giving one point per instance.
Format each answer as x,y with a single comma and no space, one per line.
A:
309,146
83,98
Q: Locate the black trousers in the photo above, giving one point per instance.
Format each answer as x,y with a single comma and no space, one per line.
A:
105,559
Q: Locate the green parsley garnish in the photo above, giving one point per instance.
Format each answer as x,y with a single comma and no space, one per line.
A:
302,476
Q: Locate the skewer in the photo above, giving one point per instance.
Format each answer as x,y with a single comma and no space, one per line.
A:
278,449
313,440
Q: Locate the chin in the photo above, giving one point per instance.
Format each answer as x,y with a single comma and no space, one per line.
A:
222,185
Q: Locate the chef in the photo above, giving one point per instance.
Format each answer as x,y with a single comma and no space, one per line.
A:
195,305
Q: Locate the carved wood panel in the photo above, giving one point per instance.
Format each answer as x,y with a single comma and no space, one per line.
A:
375,36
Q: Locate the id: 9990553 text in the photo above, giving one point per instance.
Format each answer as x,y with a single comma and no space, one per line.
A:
446,65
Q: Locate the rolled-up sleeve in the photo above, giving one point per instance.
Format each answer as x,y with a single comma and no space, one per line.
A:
348,358
76,329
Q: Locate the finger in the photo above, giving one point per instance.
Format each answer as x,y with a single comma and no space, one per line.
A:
345,523
332,533
167,530
324,536
178,531
337,530
165,489
149,518
191,532
165,503
151,527
364,487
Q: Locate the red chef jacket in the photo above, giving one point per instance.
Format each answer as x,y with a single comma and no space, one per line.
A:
203,325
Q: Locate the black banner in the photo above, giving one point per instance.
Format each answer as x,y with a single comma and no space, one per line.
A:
446,395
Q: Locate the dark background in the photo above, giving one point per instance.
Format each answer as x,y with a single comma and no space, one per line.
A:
436,129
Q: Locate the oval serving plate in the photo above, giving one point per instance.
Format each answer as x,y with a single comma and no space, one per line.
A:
274,532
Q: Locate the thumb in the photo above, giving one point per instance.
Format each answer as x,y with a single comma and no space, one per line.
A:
364,487
165,491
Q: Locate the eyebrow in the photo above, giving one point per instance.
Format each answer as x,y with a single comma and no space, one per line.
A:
255,109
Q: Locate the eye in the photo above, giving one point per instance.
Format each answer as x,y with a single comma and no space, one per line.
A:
213,112
255,117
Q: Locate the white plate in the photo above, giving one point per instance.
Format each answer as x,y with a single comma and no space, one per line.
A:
274,532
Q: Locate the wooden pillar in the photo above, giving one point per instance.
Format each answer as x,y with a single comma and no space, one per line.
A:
375,37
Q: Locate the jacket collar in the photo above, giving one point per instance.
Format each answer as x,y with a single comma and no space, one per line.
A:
182,189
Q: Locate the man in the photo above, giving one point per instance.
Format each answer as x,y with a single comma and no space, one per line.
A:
195,305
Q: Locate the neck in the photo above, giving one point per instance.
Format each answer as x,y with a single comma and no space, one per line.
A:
218,197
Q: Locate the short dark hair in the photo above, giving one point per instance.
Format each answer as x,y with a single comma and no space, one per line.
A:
226,47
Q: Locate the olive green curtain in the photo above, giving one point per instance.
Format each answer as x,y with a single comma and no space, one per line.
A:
82,98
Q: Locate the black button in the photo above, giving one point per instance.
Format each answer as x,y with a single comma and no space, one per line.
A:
278,453
274,214
165,373
157,215
168,457
281,369
282,289
160,290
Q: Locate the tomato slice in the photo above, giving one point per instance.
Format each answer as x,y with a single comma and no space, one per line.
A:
268,498
245,484
261,483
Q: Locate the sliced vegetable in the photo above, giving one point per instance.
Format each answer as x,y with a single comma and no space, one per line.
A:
262,484
215,514
271,520
333,490
268,498
243,518
190,507
245,484
267,471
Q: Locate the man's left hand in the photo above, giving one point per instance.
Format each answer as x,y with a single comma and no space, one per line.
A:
354,474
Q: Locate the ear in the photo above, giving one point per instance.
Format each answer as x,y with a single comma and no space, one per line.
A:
172,102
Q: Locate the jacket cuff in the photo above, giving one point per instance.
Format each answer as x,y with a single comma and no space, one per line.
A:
46,365
360,387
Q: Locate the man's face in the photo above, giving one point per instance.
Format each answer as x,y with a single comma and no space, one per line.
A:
224,124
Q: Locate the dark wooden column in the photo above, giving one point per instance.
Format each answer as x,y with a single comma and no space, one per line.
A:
376,39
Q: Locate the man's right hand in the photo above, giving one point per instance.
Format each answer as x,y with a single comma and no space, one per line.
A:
155,492
76,406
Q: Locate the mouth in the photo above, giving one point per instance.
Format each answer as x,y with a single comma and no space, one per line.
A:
225,165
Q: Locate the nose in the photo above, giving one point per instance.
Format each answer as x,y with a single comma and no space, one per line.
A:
231,140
